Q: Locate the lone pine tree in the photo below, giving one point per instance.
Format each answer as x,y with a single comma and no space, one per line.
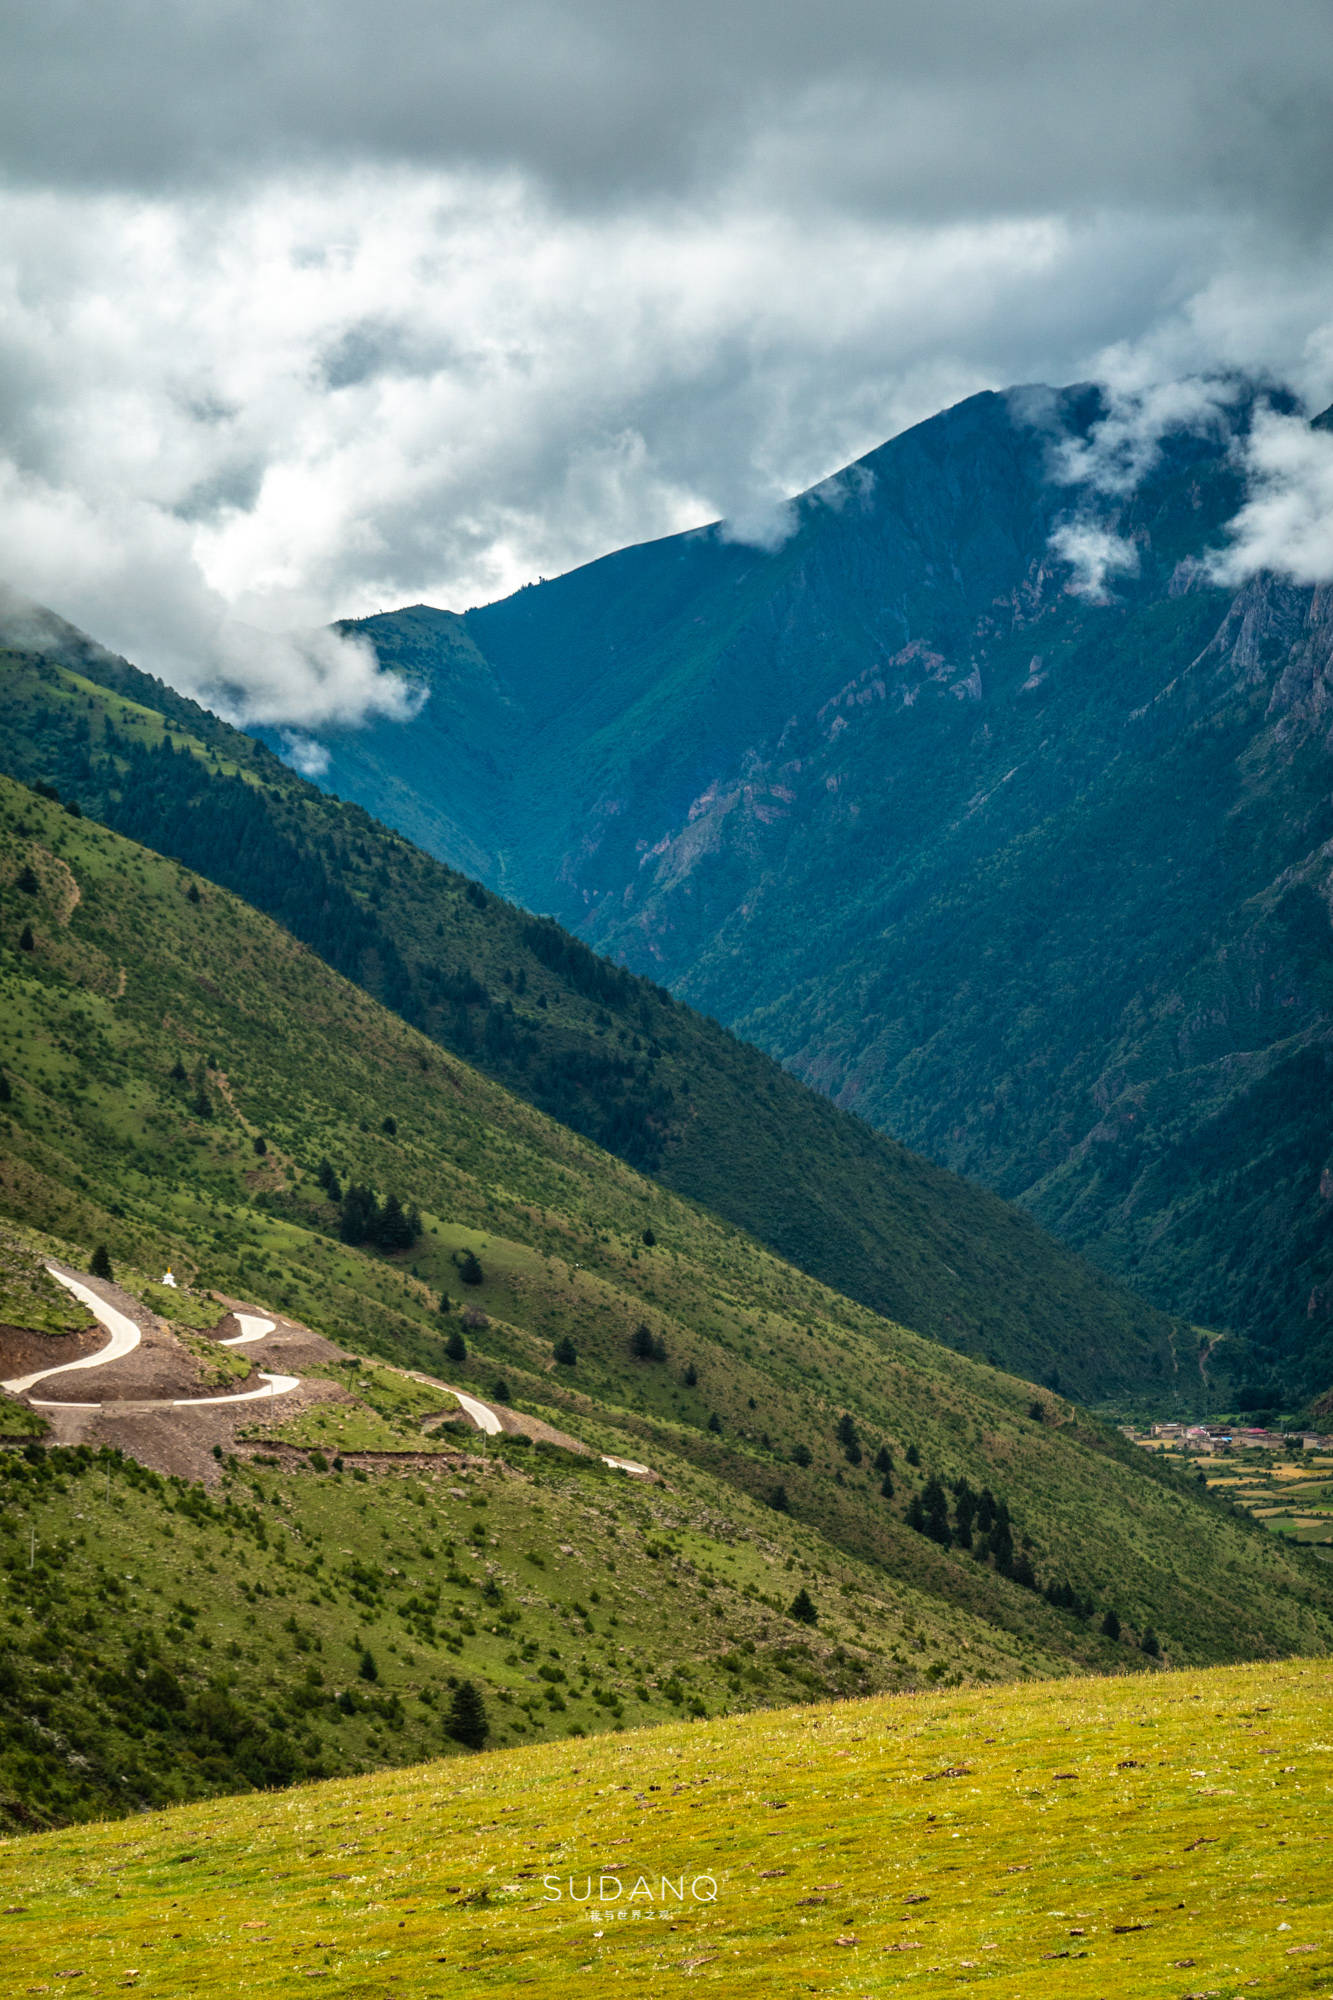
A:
467,1721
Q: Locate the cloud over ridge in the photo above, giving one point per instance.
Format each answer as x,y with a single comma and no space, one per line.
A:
308,311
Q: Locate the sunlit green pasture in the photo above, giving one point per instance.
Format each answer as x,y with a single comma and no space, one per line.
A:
1101,1840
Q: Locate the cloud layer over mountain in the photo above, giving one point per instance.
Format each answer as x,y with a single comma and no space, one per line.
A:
312,309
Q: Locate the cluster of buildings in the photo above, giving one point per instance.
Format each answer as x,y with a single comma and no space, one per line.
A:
1207,1438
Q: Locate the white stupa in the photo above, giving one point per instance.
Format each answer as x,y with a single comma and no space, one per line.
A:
168,1279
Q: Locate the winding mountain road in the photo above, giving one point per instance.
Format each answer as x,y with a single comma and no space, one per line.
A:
125,1337
486,1420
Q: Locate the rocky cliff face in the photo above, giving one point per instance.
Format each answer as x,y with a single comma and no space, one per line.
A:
1035,875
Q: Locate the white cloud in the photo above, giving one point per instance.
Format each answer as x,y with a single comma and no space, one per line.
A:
1286,524
1095,554
1123,447
305,754
308,312
764,524
125,573
226,418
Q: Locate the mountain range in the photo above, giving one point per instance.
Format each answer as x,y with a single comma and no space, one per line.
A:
607,1371
1026,863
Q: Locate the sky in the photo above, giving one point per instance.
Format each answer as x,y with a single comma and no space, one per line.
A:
309,310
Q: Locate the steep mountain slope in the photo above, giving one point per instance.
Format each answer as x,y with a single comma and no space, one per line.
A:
1037,882
156,1031
611,1055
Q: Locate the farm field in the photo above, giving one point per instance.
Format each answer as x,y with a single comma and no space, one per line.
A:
1292,1496
1109,1839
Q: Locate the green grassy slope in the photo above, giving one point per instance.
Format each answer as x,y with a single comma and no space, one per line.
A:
608,1054
163,1642
135,970
1142,1840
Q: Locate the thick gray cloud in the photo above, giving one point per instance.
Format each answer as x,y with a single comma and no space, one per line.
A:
308,309
976,107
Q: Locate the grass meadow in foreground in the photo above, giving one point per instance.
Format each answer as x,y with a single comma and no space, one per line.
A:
1122,1839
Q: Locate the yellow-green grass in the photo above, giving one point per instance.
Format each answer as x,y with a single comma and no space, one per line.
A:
1096,1839
336,1427
387,1415
29,1296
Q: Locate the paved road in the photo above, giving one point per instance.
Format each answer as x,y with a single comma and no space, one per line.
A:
125,1336
485,1420
252,1328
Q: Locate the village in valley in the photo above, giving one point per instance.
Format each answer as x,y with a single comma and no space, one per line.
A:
1283,1478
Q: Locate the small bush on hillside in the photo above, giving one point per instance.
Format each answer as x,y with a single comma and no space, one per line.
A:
455,1346
469,1267
100,1262
802,1608
1110,1626
565,1352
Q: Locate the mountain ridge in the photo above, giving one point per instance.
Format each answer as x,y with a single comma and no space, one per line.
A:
1003,859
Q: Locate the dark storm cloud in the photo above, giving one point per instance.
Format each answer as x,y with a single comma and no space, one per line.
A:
969,108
